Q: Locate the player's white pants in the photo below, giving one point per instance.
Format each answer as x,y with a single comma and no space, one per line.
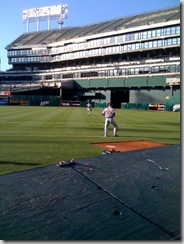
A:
89,111
109,121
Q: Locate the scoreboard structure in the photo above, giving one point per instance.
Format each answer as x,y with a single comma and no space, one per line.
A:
45,14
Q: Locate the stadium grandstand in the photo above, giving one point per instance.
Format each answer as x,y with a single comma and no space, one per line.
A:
132,62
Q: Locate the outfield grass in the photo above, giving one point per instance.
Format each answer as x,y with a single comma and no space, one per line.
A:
36,136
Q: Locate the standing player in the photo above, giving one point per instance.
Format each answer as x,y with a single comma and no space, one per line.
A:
89,108
109,113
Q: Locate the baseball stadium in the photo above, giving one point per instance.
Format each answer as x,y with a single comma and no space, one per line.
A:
132,62
61,179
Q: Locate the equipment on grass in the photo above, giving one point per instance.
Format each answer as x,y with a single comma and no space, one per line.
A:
110,150
64,163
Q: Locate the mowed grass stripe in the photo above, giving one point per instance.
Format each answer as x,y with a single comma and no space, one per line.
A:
35,136
28,120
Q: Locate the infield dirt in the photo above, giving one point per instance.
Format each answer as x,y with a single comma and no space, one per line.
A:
129,145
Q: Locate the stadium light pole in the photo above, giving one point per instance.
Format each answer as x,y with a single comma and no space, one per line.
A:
27,25
60,22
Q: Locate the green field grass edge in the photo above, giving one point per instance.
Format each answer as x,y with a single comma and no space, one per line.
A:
36,136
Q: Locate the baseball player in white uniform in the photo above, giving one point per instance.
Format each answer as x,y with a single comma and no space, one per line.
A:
109,113
89,108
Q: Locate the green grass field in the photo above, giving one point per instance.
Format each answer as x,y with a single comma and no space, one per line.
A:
37,136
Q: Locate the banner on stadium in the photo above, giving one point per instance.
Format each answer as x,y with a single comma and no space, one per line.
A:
70,104
5,93
3,101
157,106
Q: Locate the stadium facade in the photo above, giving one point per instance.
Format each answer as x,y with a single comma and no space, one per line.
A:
130,61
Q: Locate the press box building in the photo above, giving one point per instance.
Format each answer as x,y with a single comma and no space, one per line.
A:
129,61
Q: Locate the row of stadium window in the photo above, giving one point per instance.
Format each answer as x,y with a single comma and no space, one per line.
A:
99,51
119,39
174,68
131,71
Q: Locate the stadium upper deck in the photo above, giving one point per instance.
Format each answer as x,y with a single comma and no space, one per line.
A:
139,21
118,56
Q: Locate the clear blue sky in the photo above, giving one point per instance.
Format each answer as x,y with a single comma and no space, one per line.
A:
81,12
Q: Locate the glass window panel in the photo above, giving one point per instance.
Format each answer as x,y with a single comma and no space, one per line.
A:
136,71
160,43
133,46
142,45
155,69
158,32
125,47
140,35
162,32
169,42
123,71
120,49
173,68
150,44
129,47
149,34
137,46
168,31
132,71
144,34
173,30
136,36
129,37
113,49
154,43
117,49
178,30
111,72
153,33
121,38
146,45
167,68
112,39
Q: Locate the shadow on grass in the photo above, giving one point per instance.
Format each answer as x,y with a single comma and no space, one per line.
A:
18,163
